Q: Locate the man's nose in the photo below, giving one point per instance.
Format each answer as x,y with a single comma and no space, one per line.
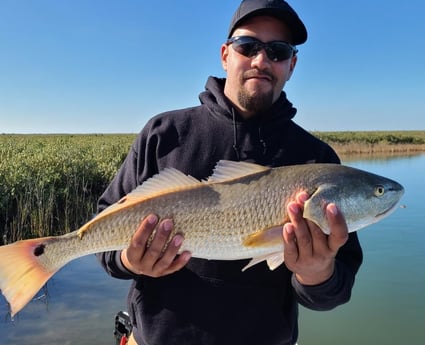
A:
260,60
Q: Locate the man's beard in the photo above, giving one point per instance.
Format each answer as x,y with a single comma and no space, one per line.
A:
259,101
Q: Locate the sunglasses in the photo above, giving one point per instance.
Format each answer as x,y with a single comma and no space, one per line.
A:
250,47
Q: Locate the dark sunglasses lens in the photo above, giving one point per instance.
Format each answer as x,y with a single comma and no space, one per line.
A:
276,51
245,48
279,51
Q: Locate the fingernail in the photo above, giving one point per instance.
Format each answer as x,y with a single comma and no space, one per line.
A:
178,240
294,208
303,197
332,209
288,229
168,225
152,219
186,256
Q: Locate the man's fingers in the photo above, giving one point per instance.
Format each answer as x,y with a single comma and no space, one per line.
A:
140,238
153,262
302,197
291,249
172,263
144,231
154,256
338,226
165,264
303,238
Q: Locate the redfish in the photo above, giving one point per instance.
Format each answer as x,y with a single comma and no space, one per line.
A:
235,214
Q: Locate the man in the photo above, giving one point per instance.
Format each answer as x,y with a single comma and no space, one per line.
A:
175,299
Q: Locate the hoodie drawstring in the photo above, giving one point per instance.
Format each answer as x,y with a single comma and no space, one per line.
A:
262,142
235,138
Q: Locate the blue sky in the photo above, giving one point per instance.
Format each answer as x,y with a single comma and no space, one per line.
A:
103,66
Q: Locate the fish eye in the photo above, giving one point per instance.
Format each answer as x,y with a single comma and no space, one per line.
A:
379,191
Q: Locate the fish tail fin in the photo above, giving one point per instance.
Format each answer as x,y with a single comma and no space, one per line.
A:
21,273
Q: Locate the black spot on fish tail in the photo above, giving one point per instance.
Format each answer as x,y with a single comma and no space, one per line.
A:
39,250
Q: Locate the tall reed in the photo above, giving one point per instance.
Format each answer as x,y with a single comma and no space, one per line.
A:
49,184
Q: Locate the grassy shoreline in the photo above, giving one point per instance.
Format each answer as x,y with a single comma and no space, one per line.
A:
374,143
49,184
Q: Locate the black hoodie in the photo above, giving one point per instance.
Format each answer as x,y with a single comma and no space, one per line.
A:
211,301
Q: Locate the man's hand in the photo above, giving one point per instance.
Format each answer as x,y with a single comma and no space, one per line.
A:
309,252
158,259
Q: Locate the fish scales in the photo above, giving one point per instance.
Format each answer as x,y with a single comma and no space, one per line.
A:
235,214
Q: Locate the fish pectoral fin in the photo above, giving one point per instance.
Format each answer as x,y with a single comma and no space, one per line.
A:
314,207
230,170
265,238
274,260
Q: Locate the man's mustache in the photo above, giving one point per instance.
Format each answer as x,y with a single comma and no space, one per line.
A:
255,73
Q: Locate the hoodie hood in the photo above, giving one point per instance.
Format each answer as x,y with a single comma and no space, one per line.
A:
219,105
253,138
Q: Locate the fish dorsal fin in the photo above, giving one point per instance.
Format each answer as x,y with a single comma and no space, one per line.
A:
167,181
230,170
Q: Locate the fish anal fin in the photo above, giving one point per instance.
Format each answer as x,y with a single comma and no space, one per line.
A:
274,260
265,238
230,170
21,274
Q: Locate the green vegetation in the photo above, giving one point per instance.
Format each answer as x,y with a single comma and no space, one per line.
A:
49,184
351,144
374,138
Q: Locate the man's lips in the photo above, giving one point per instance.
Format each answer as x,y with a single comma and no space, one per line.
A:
262,77
255,75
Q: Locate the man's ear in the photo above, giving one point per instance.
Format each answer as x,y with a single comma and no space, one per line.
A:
294,60
224,55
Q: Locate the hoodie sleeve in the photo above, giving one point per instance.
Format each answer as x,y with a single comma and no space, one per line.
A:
336,290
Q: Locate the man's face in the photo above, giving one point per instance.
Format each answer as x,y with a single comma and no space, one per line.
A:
254,83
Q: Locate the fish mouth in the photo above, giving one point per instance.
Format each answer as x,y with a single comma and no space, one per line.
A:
389,210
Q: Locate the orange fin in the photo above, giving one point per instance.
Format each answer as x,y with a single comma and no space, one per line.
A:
274,260
21,274
265,238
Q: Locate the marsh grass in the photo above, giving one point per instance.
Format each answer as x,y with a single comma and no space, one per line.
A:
49,184
375,142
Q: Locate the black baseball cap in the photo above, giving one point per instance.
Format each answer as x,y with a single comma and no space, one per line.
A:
276,8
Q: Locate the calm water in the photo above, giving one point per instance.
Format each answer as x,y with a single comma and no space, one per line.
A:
387,306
